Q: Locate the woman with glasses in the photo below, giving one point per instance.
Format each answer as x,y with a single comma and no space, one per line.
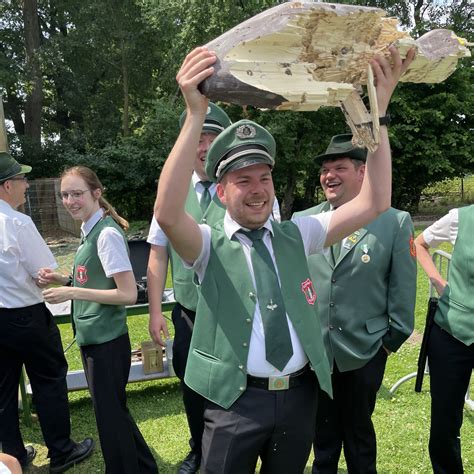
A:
101,285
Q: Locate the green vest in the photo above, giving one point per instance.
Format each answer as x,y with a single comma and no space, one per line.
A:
185,291
217,359
366,302
455,312
95,323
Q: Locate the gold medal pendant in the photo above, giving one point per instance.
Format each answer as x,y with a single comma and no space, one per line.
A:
365,256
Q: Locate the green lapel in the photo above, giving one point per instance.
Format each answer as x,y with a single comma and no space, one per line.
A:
350,242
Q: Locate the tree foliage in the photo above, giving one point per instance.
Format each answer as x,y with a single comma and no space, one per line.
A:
103,74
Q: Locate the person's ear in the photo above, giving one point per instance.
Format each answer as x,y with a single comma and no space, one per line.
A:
220,193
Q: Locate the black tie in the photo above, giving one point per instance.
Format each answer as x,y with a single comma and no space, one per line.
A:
278,347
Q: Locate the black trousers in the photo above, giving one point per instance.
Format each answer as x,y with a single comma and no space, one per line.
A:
107,367
451,363
29,336
193,402
346,421
277,426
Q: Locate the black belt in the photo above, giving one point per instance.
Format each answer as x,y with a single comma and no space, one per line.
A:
279,382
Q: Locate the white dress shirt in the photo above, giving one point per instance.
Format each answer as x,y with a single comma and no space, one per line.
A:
156,236
22,253
313,231
443,230
111,247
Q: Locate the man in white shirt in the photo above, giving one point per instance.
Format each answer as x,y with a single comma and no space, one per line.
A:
204,206
258,406
28,334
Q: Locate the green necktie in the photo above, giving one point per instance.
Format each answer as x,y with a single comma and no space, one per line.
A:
278,347
205,196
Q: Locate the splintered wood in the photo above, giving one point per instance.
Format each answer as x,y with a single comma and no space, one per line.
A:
304,55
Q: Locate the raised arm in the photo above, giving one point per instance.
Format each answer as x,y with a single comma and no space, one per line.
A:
180,228
375,194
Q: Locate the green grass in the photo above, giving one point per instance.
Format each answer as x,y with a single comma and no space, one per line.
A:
401,421
440,197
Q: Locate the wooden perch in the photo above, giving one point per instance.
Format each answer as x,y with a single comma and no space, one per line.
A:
304,55
3,129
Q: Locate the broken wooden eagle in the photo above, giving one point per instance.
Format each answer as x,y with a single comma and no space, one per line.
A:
304,55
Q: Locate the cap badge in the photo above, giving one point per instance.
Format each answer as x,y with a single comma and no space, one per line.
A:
245,131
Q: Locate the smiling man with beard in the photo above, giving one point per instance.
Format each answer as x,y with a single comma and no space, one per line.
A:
256,353
366,288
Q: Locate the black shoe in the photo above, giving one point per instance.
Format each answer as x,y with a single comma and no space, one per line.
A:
30,455
191,463
80,452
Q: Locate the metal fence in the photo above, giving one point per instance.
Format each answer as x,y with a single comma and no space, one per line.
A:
45,208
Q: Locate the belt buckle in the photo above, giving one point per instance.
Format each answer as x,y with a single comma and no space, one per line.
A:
278,382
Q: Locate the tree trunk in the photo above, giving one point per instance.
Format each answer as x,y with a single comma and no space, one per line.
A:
3,130
34,99
126,85
286,205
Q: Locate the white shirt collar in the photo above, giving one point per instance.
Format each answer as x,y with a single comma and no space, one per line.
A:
196,180
87,226
6,205
231,226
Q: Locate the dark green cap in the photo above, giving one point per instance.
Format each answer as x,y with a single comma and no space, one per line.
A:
9,167
216,119
341,146
243,144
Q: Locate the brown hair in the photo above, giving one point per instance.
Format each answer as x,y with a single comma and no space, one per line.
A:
93,183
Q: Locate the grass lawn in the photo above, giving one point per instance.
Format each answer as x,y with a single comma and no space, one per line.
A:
401,420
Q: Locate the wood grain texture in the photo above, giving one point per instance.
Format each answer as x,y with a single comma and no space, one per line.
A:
303,55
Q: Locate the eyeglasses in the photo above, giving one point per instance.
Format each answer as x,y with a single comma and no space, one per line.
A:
75,195
18,178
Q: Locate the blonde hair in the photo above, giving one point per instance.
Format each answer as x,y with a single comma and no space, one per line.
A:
93,183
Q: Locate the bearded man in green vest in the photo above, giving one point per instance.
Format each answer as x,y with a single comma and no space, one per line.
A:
203,204
366,288
256,353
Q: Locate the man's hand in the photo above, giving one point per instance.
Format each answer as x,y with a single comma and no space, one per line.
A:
156,326
387,75
46,277
196,67
439,284
58,294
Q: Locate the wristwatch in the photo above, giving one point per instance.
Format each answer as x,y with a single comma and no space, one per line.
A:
385,120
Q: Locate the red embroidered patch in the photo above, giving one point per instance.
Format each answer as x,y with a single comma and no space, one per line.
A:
308,289
81,274
412,247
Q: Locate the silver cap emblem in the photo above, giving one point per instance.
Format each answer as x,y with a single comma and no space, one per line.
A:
245,131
